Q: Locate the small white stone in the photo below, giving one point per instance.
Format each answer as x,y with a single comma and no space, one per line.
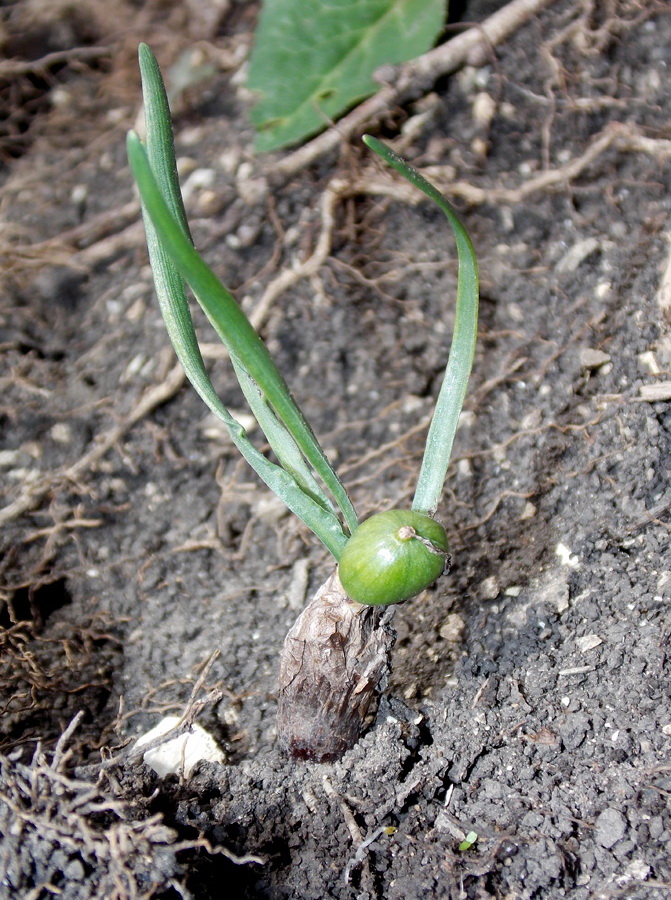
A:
60,98
229,161
452,629
490,588
79,194
515,313
484,107
464,468
198,180
531,420
207,200
593,359
649,360
186,165
566,557
61,433
528,512
179,755
479,146
588,642
9,458
215,430
133,367
252,190
636,871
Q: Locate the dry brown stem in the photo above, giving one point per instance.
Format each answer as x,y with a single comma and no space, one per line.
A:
309,268
332,662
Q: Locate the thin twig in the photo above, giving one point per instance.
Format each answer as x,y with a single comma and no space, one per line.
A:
617,134
288,277
33,494
11,68
61,745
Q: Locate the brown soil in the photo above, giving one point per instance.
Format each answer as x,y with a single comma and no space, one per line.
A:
529,698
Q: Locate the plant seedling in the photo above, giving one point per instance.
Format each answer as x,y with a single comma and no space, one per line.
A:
393,555
469,841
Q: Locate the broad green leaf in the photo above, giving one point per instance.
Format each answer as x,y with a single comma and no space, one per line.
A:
313,59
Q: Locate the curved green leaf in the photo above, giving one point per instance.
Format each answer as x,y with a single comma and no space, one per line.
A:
451,397
323,523
230,323
293,483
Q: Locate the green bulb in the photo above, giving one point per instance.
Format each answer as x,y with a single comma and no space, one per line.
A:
392,557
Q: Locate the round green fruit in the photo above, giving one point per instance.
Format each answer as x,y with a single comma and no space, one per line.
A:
393,556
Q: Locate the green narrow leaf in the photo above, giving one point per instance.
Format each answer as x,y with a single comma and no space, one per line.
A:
451,397
167,280
221,308
324,524
160,142
172,299
283,445
231,324
310,506
313,60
